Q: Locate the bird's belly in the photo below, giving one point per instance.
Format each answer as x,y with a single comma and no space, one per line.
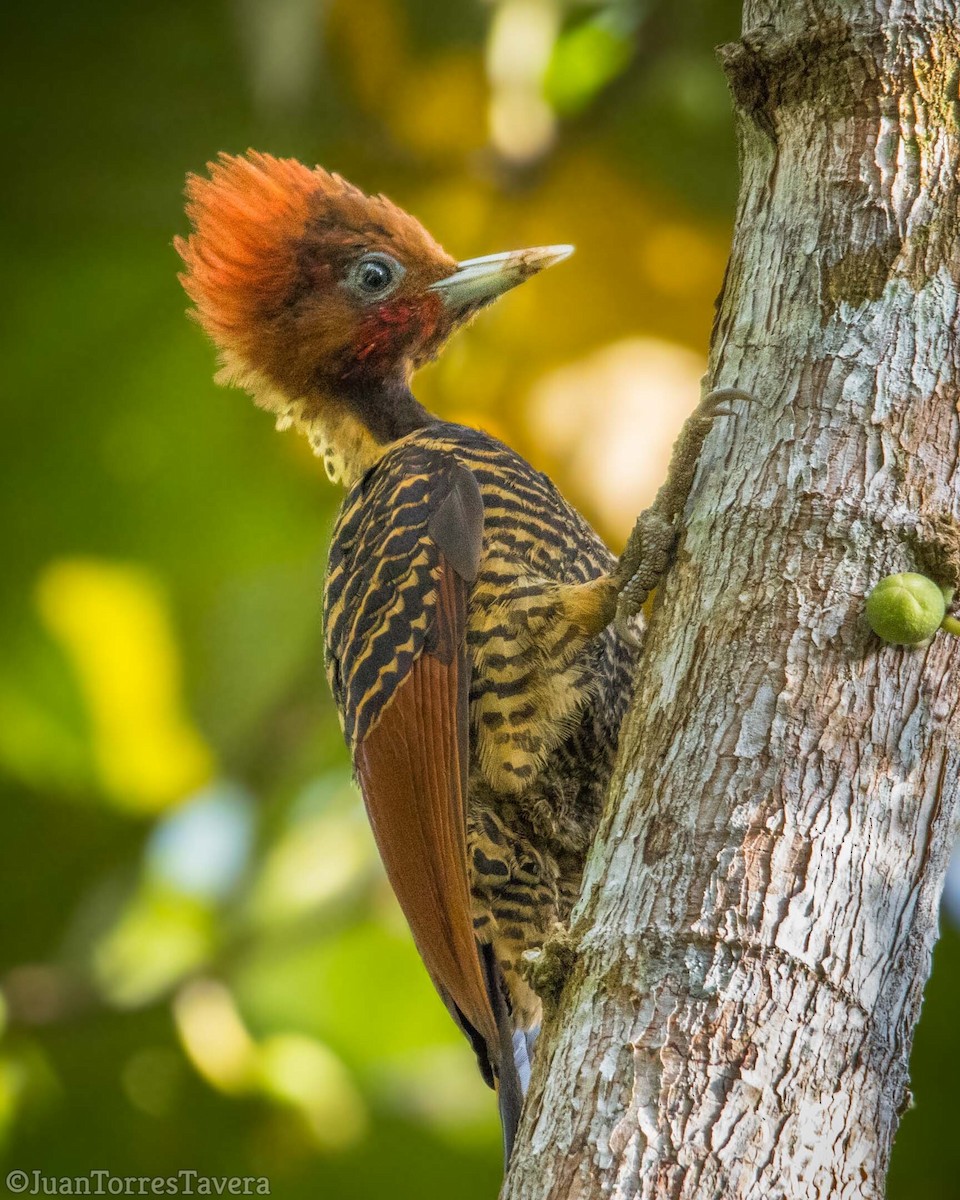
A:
526,854
516,897
545,712
519,714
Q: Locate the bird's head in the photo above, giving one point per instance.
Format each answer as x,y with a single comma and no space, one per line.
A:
322,300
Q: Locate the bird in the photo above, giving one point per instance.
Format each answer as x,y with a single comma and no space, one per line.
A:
480,639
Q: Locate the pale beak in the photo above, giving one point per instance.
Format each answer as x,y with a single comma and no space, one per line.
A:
477,281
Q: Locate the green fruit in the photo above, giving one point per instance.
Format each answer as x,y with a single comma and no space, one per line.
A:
906,609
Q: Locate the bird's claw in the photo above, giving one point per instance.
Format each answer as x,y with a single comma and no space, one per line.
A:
647,552
717,404
548,968
623,623
686,451
710,405
651,544
642,565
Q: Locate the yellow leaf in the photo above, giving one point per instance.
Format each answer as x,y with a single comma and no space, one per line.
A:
112,623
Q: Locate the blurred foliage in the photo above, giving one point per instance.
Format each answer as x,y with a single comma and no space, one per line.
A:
201,964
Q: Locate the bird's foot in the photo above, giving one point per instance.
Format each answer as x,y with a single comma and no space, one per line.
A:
650,547
672,496
547,969
642,565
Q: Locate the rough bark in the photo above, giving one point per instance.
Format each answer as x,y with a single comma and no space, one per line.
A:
761,905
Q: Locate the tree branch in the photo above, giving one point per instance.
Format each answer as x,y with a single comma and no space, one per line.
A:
760,907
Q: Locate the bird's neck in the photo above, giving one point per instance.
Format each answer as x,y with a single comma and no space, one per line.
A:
359,423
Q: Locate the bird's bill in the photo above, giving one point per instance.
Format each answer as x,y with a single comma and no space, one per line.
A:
477,281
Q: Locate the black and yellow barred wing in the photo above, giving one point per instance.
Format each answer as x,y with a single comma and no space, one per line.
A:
406,547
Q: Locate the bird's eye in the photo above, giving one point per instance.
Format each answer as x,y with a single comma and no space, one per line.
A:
374,276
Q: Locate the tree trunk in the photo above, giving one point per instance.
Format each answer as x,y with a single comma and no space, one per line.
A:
760,907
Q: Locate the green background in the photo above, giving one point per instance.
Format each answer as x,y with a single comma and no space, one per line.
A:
201,965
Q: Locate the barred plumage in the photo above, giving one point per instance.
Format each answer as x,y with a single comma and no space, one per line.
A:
548,678
468,608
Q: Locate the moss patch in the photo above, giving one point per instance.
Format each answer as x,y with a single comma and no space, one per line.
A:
862,275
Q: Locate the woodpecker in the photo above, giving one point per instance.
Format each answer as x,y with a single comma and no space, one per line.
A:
480,639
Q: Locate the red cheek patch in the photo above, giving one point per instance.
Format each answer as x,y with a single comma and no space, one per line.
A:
396,327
